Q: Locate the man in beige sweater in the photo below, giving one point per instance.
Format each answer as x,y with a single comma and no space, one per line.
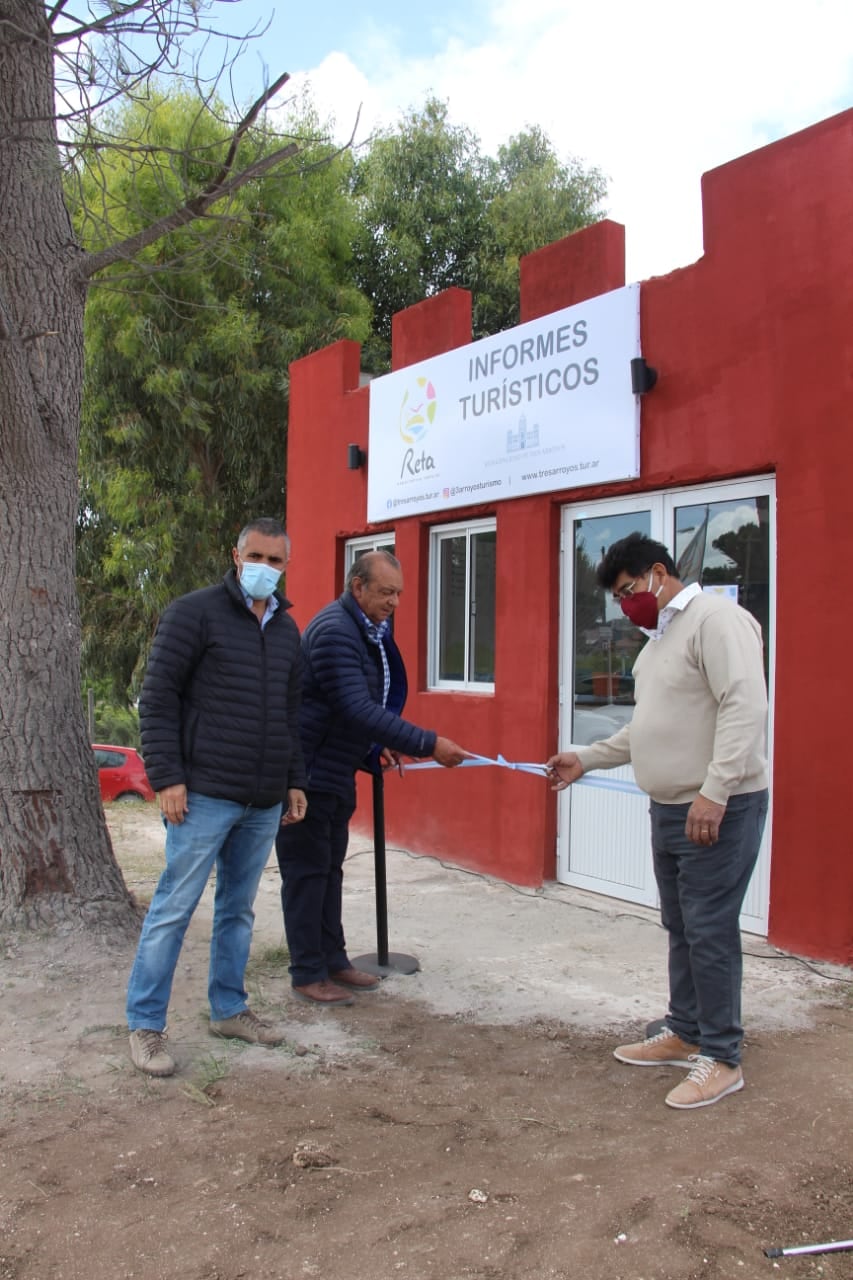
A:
697,745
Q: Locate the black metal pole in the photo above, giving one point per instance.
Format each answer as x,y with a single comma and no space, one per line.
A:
383,962
379,869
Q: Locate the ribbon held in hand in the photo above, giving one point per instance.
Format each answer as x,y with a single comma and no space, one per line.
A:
474,760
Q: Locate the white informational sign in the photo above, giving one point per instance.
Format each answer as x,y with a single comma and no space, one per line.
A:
547,405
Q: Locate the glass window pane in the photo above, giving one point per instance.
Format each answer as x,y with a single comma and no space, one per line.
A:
725,546
452,608
481,657
356,547
606,643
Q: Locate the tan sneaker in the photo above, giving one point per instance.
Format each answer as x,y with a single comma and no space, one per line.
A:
666,1049
148,1052
247,1026
707,1082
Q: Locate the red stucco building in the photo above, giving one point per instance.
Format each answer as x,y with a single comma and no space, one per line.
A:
751,413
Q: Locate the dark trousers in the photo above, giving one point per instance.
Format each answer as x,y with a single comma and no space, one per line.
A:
310,858
701,894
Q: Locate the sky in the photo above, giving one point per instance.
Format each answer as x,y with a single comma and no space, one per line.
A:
652,92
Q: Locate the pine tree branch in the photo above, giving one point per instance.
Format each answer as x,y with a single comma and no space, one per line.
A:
189,212
225,184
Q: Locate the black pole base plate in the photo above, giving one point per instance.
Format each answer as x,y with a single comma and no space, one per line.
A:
396,963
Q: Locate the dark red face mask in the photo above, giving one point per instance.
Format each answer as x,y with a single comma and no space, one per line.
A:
642,607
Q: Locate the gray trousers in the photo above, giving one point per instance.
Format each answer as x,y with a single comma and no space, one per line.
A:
701,893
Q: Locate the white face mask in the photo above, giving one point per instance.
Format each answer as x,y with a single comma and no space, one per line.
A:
258,580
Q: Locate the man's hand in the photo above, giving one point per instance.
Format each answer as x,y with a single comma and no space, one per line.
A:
564,769
173,803
297,807
389,759
448,753
703,821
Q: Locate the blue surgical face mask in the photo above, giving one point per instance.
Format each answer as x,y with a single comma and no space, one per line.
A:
259,580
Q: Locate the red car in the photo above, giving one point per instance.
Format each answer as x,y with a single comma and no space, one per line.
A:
121,773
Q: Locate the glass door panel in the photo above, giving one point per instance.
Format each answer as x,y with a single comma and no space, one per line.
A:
603,839
725,547
606,644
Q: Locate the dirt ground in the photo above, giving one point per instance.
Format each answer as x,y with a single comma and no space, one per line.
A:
430,1131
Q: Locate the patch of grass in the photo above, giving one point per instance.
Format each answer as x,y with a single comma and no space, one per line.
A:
367,1043
269,962
58,1094
209,1071
98,1028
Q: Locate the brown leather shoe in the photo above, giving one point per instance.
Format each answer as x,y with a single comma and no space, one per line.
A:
322,993
356,978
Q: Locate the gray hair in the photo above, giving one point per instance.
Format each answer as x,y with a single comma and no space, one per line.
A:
362,566
266,525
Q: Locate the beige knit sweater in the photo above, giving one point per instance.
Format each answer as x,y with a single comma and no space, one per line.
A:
701,709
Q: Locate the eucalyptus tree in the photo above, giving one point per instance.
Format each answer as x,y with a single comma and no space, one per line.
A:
534,199
435,211
61,66
185,397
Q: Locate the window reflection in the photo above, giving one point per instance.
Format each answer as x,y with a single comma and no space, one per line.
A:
606,643
453,570
726,546
481,658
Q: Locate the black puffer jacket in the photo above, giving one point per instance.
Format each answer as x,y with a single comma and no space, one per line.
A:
342,711
220,701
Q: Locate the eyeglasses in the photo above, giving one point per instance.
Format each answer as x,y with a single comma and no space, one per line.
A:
628,590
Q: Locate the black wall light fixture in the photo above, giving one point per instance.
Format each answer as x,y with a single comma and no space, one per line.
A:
356,457
643,376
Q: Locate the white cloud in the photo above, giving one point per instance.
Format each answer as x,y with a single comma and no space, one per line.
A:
653,94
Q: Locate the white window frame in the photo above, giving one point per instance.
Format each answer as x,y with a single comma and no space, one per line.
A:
355,547
439,534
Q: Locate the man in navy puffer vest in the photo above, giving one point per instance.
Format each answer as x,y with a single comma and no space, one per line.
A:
219,716
354,689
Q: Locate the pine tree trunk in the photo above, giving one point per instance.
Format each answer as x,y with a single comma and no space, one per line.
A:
56,861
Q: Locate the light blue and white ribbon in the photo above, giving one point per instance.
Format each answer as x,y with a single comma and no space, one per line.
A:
541,770
473,761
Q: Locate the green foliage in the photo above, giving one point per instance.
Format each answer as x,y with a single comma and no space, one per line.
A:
188,344
421,191
536,199
115,722
435,213
187,355
116,725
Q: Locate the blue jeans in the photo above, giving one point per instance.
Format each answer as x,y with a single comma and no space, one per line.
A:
237,839
311,859
701,894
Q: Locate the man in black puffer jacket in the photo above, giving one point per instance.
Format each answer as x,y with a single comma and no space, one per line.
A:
354,691
219,716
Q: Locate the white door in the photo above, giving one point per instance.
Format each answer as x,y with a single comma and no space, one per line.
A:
722,536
